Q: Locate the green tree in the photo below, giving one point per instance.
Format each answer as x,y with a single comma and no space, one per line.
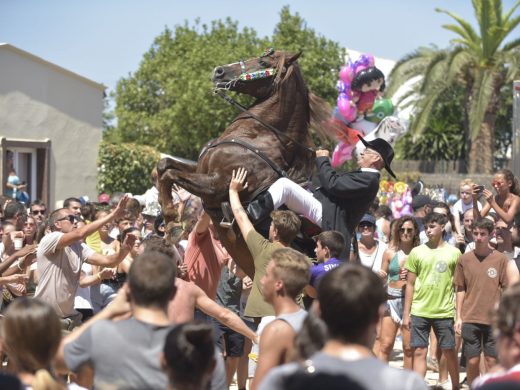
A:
125,167
321,58
168,102
481,62
443,138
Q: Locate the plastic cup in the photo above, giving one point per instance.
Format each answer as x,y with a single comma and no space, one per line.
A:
18,243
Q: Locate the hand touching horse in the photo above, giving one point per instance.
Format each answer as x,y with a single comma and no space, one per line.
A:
271,139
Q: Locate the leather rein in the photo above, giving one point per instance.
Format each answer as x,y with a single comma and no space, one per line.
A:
234,103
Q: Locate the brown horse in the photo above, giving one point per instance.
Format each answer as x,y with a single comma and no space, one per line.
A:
270,139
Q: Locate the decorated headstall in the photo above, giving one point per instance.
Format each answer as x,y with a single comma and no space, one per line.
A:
259,74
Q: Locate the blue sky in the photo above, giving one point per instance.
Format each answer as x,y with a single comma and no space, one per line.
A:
104,40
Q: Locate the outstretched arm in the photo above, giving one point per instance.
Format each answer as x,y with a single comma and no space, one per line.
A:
82,232
223,315
237,184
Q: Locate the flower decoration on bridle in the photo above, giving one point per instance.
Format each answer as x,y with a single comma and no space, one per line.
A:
259,74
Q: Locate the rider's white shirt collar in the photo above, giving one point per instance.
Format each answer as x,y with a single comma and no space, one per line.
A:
369,170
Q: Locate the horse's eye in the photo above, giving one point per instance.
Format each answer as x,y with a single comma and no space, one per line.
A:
263,63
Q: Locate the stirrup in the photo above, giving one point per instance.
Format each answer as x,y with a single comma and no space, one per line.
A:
229,219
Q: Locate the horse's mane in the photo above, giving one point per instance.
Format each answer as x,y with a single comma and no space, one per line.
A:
321,122
319,110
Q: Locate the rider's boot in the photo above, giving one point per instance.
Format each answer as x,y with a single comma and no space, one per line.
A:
257,210
260,208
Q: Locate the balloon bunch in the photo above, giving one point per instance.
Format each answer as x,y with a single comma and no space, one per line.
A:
396,195
360,83
348,97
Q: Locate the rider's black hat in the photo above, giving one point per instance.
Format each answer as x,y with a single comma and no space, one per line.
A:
384,149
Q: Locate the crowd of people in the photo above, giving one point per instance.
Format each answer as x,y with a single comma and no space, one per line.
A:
104,295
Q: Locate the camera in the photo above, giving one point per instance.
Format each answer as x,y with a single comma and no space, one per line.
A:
479,188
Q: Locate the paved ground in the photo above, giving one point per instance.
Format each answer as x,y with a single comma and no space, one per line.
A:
397,361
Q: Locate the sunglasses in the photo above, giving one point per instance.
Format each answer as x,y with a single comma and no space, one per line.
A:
42,212
366,226
406,230
71,218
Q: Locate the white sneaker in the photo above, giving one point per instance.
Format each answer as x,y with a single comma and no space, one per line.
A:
446,385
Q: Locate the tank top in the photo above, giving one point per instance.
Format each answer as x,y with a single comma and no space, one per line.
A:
373,260
394,267
295,320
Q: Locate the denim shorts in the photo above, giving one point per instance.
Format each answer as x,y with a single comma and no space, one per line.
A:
477,337
443,328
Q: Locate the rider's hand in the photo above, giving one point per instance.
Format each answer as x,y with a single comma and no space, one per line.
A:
322,153
238,180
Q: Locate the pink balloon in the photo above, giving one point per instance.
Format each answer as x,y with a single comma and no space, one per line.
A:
346,74
342,153
346,109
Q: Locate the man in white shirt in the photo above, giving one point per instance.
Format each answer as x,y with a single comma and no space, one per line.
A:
61,254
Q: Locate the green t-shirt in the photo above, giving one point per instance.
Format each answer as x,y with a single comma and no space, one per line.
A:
261,251
433,294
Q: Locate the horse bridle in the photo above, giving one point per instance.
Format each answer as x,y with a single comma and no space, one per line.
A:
244,76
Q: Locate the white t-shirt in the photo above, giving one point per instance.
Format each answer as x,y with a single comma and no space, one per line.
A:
461,207
59,271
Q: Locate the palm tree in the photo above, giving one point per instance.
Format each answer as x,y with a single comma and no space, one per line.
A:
483,63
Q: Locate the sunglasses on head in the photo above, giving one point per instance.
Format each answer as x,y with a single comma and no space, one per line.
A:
71,218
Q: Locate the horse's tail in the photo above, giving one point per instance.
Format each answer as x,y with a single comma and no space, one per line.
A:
321,119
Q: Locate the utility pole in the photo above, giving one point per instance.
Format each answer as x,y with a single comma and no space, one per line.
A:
515,155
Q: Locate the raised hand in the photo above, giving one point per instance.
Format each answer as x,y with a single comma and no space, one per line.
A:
238,180
121,206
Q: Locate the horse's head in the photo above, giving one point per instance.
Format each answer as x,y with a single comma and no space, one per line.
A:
257,76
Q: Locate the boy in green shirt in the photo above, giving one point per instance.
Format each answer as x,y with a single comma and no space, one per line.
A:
429,297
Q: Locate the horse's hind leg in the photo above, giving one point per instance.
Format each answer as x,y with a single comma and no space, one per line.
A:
199,184
167,169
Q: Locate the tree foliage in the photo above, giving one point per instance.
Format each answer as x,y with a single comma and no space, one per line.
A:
321,58
125,167
443,138
168,102
481,62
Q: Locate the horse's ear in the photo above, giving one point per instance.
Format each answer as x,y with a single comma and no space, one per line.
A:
293,57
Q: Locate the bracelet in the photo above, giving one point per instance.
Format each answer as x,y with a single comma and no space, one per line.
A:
20,268
98,275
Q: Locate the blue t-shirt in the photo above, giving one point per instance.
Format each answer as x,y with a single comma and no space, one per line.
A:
319,270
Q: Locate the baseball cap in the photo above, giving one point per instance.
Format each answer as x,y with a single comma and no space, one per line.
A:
367,218
103,198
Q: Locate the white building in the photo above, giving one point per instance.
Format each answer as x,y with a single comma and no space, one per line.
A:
50,126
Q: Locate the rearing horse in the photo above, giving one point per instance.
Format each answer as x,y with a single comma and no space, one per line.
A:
270,139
